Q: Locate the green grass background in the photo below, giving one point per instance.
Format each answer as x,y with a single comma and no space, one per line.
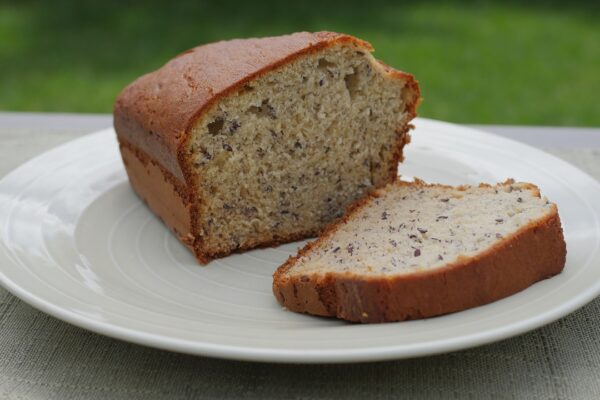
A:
508,62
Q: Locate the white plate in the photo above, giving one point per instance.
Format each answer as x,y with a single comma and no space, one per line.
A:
76,243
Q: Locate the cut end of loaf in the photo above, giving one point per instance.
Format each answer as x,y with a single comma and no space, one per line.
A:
284,155
413,250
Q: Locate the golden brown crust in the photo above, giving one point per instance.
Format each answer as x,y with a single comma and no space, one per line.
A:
164,194
412,102
535,252
155,114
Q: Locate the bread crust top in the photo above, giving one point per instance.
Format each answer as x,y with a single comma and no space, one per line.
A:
156,112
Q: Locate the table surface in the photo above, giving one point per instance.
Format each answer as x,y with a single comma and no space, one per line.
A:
42,357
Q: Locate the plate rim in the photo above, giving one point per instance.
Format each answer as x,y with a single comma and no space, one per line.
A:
250,353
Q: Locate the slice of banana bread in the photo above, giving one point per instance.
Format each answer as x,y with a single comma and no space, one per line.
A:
247,143
412,250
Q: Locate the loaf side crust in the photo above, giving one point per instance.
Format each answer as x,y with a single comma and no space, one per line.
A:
535,252
164,194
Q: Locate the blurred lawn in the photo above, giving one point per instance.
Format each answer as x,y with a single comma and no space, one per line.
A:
478,62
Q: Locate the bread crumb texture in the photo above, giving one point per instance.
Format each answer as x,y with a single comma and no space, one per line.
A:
288,152
413,228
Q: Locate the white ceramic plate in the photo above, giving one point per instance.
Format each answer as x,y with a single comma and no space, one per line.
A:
76,243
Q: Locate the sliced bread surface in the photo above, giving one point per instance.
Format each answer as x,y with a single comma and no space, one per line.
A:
252,142
413,250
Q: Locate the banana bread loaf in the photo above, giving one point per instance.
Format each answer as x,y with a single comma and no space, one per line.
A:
247,143
412,250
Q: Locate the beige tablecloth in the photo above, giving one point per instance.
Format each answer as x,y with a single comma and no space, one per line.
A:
44,358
